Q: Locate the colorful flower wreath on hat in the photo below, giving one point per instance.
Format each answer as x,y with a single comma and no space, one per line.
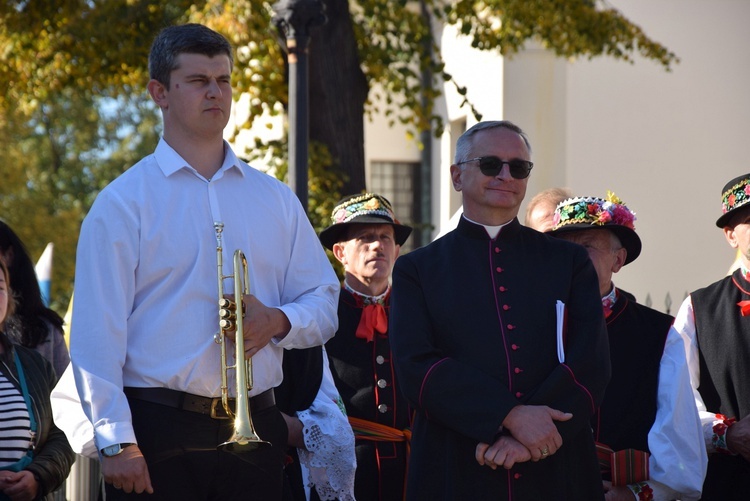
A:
365,205
594,211
736,196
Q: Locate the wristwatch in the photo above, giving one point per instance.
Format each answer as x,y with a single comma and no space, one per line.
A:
113,450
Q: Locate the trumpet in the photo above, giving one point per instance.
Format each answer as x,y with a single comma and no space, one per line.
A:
231,312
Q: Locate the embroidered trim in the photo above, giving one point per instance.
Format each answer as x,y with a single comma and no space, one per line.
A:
719,437
736,196
365,299
745,272
594,211
608,302
642,491
367,204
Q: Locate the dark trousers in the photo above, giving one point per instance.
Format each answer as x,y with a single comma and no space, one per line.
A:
727,479
184,464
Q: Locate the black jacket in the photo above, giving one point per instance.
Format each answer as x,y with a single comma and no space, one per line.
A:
637,335
472,329
53,456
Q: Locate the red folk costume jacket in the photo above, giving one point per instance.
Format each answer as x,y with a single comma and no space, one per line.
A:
473,332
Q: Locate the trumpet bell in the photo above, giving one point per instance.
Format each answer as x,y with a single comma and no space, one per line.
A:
239,444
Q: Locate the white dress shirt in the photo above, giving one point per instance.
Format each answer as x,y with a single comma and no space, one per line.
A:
146,285
684,325
678,461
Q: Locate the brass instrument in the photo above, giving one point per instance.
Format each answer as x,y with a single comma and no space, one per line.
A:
231,313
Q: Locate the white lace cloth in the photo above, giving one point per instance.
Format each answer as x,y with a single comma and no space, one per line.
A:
329,459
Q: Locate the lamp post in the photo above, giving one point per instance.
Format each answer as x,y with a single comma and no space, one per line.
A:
294,19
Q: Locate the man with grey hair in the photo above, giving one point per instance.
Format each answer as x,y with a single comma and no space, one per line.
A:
499,343
647,429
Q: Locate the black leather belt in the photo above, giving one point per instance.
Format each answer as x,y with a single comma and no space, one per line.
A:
196,403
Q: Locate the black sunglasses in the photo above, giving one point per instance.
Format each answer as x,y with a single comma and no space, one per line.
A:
491,166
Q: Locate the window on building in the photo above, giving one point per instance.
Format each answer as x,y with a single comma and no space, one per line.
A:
399,183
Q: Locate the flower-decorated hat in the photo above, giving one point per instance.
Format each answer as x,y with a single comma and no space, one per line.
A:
584,213
736,194
367,208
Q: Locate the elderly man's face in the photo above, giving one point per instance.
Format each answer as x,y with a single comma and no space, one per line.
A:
605,251
369,254
487,198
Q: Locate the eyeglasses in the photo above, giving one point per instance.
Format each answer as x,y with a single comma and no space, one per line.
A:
491,166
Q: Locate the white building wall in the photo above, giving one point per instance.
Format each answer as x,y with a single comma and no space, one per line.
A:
666,143
536,86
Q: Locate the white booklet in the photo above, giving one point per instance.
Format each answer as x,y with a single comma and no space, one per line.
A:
560,307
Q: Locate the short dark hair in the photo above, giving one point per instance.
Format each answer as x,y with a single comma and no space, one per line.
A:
185,38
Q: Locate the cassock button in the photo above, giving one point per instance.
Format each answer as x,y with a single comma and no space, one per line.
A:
382,408
499,270
380,359
502,289
382,383
519,394
517,370
514,347
497,249
506,307
517,476
511,327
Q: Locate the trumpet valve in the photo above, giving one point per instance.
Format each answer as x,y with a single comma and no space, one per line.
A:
227,314
228,324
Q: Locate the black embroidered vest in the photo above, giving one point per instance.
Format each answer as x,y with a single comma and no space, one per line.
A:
724,344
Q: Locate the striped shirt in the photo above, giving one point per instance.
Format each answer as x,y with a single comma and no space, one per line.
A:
15,427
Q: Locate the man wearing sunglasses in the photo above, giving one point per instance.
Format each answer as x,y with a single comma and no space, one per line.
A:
499,341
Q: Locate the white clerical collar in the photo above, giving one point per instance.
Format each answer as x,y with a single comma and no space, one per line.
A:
492,231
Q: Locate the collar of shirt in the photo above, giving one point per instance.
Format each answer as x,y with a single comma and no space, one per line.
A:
745,272
170,161
492,231
368,299
608,301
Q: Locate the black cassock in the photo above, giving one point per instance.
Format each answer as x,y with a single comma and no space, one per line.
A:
473,332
